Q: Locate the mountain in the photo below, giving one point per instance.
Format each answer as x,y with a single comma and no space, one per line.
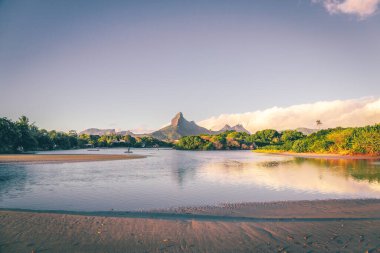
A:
100,132
125,133
237,128
178,128
97,131
306,131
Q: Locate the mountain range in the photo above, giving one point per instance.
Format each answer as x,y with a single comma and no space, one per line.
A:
178,128
237,128
97,131
100,132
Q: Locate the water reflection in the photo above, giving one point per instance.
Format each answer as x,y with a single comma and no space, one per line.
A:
168,178
337,176
183,170
368,170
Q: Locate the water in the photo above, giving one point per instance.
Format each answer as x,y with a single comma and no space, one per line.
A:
170,178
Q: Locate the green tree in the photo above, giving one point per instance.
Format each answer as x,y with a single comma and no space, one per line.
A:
9,136
73,139
44,141
190,143
266,137
27,140
291,135
366,140
129,140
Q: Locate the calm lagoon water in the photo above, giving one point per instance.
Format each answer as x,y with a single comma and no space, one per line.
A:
170,178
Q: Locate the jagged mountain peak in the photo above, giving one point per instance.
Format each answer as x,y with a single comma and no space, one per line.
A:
179,127
237,128
178,119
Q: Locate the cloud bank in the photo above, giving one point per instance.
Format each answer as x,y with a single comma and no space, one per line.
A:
344,113
360,8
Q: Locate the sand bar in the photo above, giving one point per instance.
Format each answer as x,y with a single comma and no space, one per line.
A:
47,232
60,158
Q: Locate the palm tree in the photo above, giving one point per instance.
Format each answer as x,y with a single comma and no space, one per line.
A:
23,120
319,123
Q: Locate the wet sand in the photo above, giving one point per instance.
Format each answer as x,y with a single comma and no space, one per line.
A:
63,158
305,226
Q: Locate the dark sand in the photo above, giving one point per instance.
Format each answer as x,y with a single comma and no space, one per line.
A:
57,158
308,226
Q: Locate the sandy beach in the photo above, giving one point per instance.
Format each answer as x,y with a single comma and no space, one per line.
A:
303,226
63,158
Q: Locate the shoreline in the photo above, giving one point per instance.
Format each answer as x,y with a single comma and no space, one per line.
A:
317,155
64,158
291,226
334,209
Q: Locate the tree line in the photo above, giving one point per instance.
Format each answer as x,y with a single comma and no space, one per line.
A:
21,135
353,140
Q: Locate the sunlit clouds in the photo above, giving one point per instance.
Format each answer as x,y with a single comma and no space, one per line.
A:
360,8
344,113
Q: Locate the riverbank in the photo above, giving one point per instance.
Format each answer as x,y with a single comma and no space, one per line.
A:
302,226
64,158
317,155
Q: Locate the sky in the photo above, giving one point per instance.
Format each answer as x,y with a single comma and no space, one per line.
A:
134,64
343,113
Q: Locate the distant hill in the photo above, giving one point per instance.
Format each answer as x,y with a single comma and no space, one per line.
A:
306,131
126,133
237,128
100,132
178,128
97,131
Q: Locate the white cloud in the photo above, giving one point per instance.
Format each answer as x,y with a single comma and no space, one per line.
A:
360,8
345,113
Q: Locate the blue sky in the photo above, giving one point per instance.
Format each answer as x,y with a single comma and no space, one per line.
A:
134,64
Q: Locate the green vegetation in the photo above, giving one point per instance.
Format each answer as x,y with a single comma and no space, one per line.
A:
22,136
226,140
25,136
358,140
